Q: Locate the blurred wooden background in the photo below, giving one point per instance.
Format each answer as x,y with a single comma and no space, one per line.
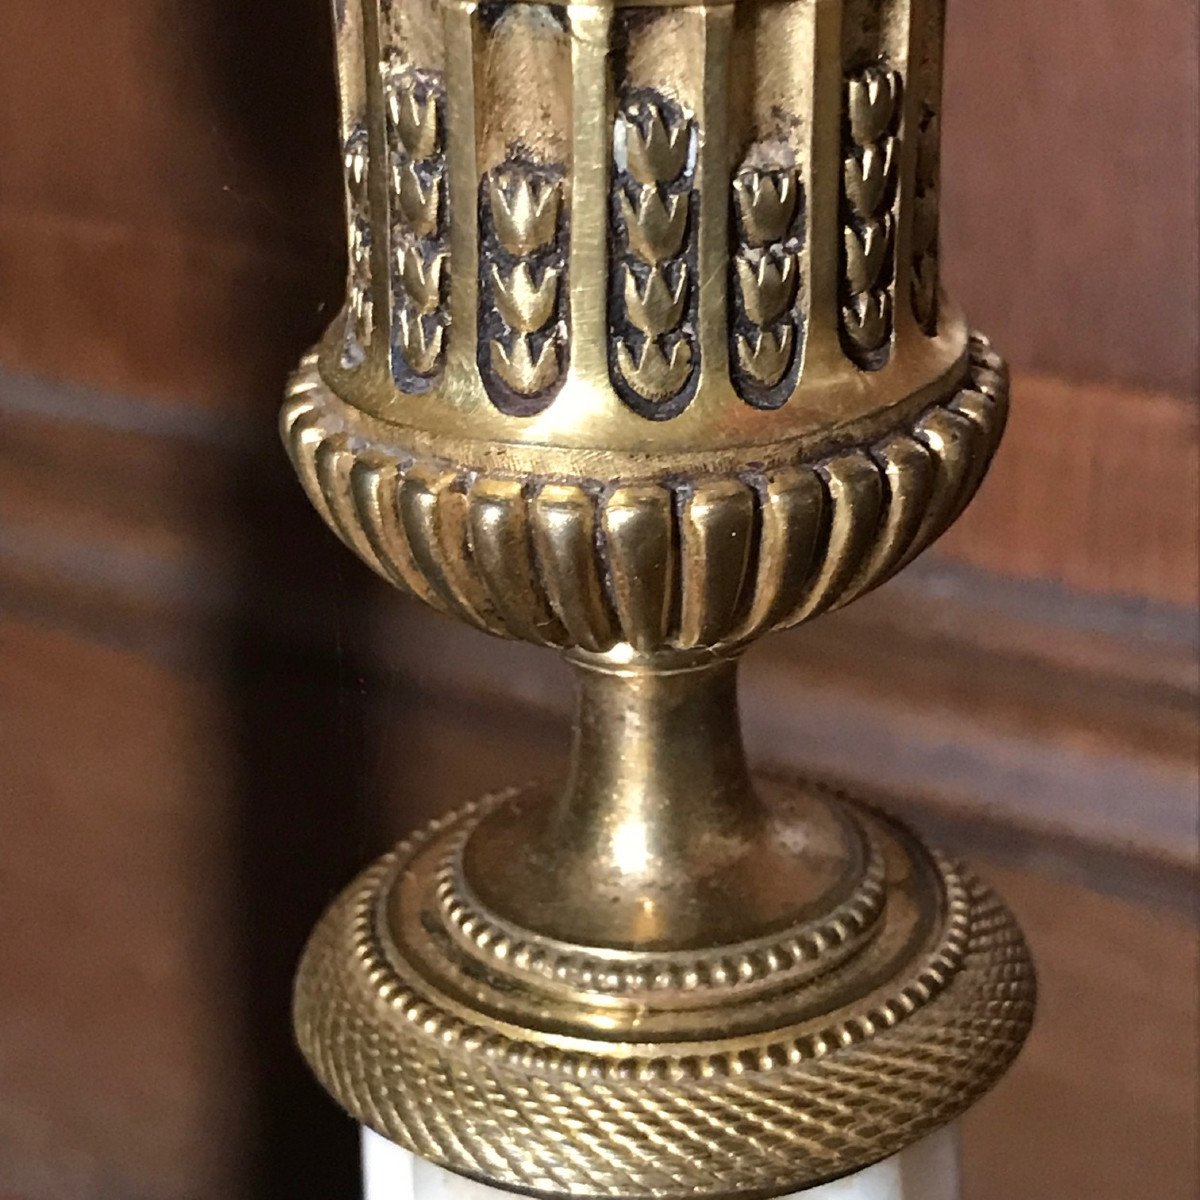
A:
210,715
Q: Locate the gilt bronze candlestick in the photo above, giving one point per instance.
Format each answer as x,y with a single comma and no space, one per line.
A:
643,357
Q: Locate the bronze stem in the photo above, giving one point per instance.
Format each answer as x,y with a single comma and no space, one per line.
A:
658,773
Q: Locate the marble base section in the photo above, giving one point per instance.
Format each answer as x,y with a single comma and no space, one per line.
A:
926,1171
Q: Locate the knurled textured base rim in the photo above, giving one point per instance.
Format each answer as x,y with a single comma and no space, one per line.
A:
752,1116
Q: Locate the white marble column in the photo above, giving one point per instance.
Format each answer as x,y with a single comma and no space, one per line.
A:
926,1171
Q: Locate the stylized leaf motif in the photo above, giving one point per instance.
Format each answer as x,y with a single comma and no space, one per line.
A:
868,244
520,370
525,306
660,153
867,248
354,163
766,270
872,98
923,291
766,202
524,275
419,255
768,357
359,322
524,211
415,118
421,277
867,179
420,199
867,317
768,286
421,348
653,200
653,374
655,307
655,226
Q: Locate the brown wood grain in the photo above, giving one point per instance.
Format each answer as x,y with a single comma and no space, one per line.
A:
212,120
238,721
1070,169
211,323
170,196
127,517
1094,487
120,1049
170,834
169,208
1104,1102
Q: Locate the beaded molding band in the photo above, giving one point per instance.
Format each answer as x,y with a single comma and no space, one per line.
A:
787,958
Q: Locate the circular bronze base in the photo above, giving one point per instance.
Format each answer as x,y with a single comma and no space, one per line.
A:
855,1022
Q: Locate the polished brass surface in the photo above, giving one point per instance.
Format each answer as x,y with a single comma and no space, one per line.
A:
644,356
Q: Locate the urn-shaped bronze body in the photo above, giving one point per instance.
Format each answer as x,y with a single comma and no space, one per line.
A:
644,356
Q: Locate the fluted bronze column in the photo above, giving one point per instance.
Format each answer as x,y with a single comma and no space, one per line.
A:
643,357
